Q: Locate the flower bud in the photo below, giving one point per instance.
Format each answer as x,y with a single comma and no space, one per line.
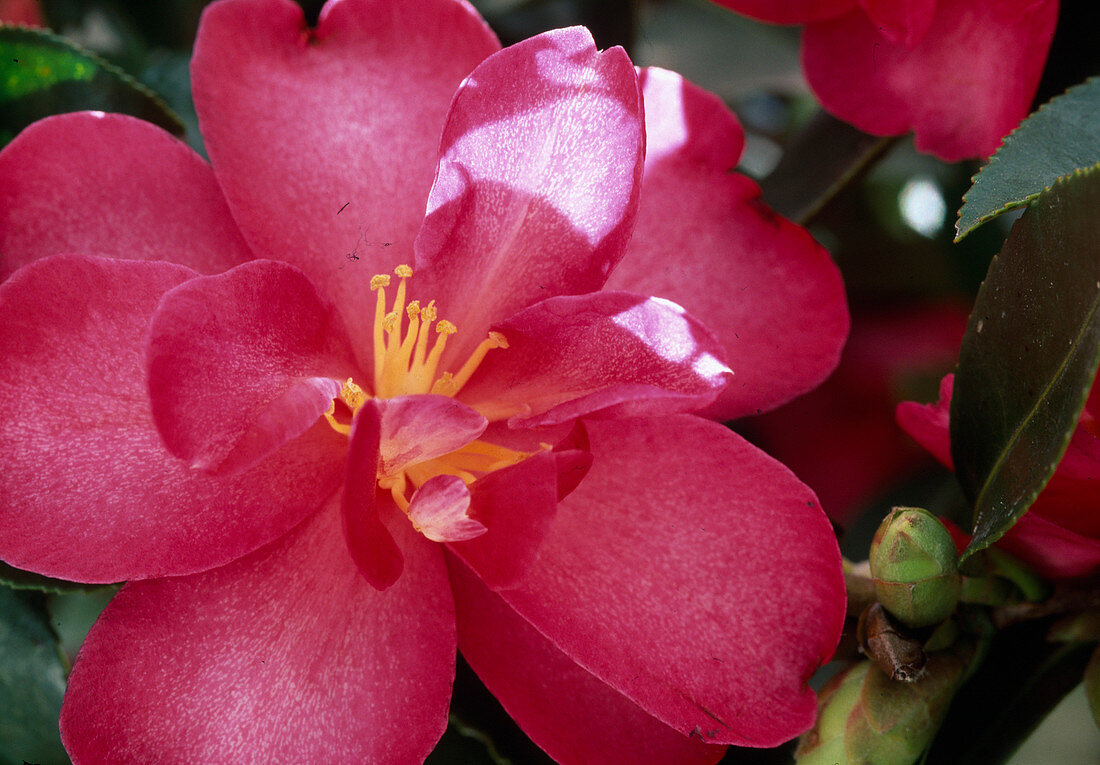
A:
866,717
915,567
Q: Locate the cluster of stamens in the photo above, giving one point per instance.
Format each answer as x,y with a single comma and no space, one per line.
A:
404,365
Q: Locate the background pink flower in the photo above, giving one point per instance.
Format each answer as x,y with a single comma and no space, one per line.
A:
679,596
1059,535
959,74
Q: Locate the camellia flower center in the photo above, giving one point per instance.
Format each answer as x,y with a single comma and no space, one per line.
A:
404,365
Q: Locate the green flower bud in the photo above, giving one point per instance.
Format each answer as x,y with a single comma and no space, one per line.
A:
915,567
865,717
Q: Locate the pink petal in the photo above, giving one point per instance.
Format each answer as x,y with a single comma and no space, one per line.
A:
537,185
115,186
994,51
903,22
341,191
438,510
695,575
419,428
88,492
241,363
771,294
371,545
567,711
929,424
789,11
612,353
287,655
1054,551
517,504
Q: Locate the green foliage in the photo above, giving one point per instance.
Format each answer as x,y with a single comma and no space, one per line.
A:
1063,136
19,579
32,681
1029,356
43,74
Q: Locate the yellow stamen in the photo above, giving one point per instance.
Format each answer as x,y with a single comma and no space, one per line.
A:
495,340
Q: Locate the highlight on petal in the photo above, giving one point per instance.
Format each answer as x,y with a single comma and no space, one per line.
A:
114,186
606,353
241,363
771,294
370,543
695,575
537,185
341,193
529,676
419,428
438,510
994,51
88,492
288,655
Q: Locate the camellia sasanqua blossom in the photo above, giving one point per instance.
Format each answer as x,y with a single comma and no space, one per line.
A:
328,438
1059,535
960,74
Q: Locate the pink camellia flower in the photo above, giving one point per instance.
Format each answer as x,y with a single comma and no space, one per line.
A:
1059,536
960,74
328,438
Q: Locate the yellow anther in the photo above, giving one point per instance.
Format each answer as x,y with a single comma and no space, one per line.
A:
498,340
428,313
413,309
445,327
379,280
403,271
389,322
445,385
352,395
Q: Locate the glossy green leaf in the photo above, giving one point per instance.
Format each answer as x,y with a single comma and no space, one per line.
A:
43,74
1029,356
32,681
1061,137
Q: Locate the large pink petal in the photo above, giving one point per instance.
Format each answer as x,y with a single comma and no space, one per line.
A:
574,716
537,186
789,11
615,353
340,190
704,239
88,492
241,363
967,83
695,575
420,428
904,22
111,185
1054,551
517,505
287,655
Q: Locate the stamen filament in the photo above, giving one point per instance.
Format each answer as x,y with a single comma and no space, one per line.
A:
495,340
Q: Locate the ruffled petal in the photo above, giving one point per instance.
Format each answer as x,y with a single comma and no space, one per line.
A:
695,575
88,492
517,505
341,191
419,428
612,353
537,186
114,186
287,655
572,715
903,22
241,363
994,51
771,294
370,543
439,510
789,11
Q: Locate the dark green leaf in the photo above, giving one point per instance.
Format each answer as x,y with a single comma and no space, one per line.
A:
32,681
25,580
1063,136
1029,356
43,74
